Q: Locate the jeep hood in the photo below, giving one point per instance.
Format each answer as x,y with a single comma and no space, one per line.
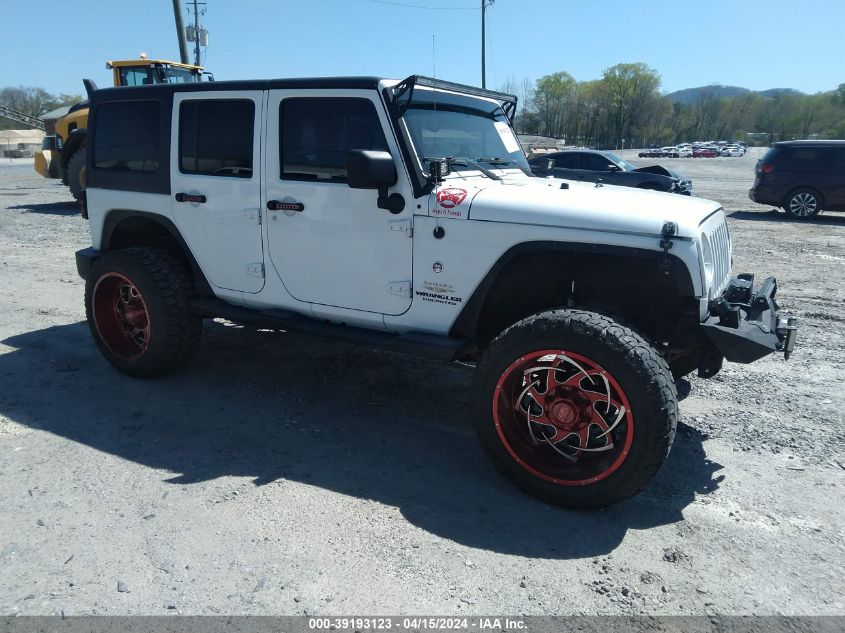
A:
541,201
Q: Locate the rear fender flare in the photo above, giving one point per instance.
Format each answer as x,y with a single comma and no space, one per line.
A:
118,217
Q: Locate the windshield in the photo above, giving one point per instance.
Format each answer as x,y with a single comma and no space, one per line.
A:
624,164
443,124
156,74
173,75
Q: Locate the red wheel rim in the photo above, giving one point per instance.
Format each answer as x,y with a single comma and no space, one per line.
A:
120,316
563,418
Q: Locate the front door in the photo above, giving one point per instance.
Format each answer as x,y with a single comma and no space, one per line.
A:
216,184
330,244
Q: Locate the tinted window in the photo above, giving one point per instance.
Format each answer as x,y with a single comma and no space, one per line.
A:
215,137
127,136
130,76
594,162
567,161
836,160
802,158
316,135
769,156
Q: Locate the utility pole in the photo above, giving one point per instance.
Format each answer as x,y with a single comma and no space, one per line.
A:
484,5
180,32
197,35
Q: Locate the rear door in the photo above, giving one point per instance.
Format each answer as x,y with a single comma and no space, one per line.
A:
216,184
566,166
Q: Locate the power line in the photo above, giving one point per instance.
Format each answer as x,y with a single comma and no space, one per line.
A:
420,6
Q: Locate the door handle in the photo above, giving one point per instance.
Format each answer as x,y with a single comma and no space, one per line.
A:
276,205
190,197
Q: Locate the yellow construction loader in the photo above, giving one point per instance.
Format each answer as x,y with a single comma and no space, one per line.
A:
63,155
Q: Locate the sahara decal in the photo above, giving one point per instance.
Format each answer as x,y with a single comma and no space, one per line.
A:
435,292
448,201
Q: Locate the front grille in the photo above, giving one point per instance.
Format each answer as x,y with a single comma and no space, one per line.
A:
716,229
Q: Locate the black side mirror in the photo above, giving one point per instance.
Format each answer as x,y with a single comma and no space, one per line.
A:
612,168
370,169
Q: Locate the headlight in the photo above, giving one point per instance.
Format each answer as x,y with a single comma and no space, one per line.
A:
707,263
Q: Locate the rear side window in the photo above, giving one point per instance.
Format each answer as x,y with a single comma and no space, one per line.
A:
802,158
769,156
216,137
317,133
127,136
567,161
835,161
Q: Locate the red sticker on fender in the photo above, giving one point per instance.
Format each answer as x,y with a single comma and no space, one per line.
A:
451,197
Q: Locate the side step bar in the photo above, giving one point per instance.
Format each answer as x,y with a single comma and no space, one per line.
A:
415,343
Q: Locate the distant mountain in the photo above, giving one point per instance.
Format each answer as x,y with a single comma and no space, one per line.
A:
692,95
776,92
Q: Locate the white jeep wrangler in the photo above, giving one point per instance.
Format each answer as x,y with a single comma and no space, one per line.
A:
403,215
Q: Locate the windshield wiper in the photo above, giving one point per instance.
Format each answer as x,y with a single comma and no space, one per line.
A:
465,162
462,162
504,161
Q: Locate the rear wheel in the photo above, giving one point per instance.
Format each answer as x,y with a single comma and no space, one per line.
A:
575,408
136,303
803,204
76,173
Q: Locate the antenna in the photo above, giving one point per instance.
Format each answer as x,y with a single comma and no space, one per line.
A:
433,55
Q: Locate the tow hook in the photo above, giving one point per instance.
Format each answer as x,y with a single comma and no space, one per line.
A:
787,331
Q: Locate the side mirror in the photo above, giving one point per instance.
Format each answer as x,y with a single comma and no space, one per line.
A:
370,169
549,164
613,168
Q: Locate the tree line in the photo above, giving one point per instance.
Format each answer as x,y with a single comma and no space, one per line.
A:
31,101
626,103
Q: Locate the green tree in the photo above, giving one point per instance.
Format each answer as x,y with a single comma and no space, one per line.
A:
630,88
31,101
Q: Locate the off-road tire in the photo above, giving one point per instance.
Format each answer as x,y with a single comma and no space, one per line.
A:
638,369
76,173
166,288
803,204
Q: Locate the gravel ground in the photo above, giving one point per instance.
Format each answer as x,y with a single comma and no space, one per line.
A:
287,475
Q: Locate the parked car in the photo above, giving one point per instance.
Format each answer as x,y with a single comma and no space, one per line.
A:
653,152
802,177
684,152
592,166
670,152
733,150
705,151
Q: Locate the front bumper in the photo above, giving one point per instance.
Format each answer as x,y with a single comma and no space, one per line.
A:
684,187
746,324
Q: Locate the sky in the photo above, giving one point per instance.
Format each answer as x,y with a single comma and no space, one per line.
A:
757,44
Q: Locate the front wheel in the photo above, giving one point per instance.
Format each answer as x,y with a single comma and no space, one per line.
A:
575,408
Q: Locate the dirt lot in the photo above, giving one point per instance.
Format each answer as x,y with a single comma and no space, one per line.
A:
286,475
